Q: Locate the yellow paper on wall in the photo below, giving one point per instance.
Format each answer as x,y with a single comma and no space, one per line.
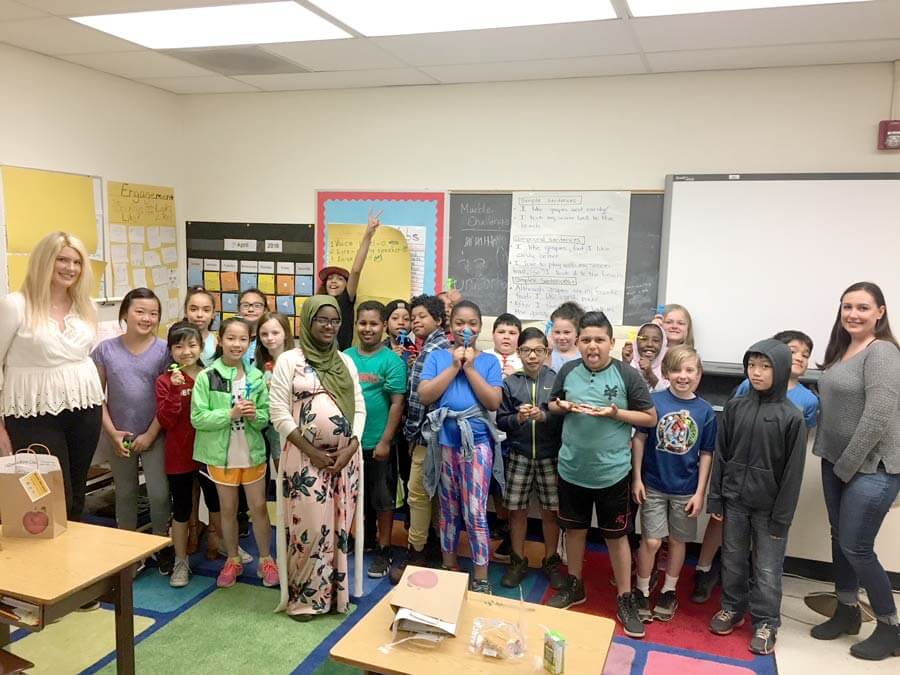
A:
135,204
387,274
39,202
211,281
17,264
266,283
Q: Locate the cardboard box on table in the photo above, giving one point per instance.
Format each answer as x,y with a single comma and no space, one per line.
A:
429,601
27,515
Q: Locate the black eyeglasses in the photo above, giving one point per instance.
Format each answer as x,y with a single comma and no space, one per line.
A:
252,305
537,351
323,321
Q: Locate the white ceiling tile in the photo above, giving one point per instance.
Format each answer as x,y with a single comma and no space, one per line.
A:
213,84
592,38
787,25
56,36
138,65
90,7
591,66
324,55
338,79
10,10
768,57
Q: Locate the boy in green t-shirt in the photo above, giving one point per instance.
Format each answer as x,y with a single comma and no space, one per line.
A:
602,399
382,376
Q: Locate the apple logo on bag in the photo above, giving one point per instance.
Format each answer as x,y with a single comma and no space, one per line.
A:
35,522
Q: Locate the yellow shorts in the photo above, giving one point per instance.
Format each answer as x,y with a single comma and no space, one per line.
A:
235,477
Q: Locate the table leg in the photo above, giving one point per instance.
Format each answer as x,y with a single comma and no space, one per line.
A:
4,634
124,603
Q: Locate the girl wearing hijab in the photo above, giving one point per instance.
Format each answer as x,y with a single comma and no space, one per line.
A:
318,409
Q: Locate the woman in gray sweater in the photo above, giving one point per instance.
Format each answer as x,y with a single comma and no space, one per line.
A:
859,443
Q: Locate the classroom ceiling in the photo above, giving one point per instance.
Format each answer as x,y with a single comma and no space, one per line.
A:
863,32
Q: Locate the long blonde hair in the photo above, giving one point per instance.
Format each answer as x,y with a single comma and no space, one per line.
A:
689,333
36,287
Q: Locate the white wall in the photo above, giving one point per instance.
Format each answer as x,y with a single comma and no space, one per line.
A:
62,117
259,157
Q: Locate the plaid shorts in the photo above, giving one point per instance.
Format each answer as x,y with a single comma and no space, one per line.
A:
522,473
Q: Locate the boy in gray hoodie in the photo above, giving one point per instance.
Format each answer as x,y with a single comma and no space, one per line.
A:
755,485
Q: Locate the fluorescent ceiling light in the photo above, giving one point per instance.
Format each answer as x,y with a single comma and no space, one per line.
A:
217,26
406,17
665,7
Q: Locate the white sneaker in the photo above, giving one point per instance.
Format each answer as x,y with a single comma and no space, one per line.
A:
181,574
246,558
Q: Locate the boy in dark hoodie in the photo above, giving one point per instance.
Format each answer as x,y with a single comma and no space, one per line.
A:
533,438
755,485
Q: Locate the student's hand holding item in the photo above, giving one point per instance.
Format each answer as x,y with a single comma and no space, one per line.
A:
508,369
605,411
459,357
118,439
237,411
468,357
522,415
142,442
716,516
344,454
382,451
397,348
177,378
563,405
694,505
638,491
248,409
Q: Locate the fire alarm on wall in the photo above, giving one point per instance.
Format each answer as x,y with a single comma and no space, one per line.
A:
889,135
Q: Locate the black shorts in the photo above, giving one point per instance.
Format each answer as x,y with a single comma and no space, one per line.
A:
615,510
381,481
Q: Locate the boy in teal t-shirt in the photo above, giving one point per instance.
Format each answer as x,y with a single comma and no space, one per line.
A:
602,399
382,376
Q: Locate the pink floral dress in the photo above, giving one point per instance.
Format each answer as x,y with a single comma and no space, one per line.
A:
317,506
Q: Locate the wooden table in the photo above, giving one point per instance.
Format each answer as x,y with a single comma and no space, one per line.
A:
83,564
588,639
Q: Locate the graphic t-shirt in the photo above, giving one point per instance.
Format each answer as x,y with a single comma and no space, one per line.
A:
684,429
238,448
380,375
800,396
596,451
459,395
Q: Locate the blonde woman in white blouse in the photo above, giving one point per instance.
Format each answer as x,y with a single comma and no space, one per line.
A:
50,391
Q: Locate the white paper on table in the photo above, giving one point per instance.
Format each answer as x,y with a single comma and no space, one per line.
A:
160,276
152,259
137,254
119,253
170,255
139,277
136,234
118,234
229,265
167,235
153,237
195,264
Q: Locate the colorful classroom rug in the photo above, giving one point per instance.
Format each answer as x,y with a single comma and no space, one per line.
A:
200,629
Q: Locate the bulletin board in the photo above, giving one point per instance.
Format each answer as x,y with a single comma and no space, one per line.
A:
276,258
418,216
143,244
35,203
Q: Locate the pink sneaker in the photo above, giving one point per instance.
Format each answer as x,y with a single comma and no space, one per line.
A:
229,574
268,572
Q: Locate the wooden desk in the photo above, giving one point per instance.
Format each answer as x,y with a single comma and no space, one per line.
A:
588,639
83,564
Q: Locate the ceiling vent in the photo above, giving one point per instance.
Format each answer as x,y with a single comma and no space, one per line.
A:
246,60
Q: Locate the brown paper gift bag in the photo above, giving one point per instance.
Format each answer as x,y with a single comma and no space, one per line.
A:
32,515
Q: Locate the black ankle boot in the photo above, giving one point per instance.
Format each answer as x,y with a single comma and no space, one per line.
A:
846,621
882,643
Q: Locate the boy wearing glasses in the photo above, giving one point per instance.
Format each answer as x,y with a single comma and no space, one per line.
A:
533,436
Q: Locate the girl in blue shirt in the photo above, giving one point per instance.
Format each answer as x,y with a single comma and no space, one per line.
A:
458,380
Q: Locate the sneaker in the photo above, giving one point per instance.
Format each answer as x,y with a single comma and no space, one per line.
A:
572,593
665,607
181,574
246,558
268,572
518,568
725,621
381,563
229,574
481,586
504,550
642,602
763,640
704,584
552,568
165,560
413,557
628,616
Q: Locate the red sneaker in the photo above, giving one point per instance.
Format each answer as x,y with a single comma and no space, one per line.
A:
268,572
229,574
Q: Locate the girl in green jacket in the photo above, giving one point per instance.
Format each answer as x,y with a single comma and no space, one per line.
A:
229,409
